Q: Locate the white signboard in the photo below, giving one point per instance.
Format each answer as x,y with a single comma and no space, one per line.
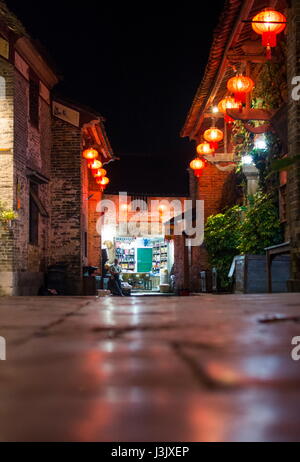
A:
66,114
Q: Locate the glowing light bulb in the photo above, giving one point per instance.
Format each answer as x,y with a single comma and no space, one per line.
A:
247,160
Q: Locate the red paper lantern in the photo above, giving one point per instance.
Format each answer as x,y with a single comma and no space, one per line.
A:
204,149
90,154
99,173
228,103
103,181
197,165
95,164
240,85
213,135
269,23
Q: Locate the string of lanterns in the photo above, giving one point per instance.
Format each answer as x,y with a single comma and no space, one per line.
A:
94,164
268,23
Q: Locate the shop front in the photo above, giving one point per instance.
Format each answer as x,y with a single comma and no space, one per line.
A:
146,262
135,235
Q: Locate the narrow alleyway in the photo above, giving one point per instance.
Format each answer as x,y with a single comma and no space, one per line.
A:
203,368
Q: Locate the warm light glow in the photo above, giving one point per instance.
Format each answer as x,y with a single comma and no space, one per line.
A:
240,85
90,154
269,23
204,149
227,103
247,160
213,136
215,109
260,142
99,173
103,181
197,165
162,208
95,165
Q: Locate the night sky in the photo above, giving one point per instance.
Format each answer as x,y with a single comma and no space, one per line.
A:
139,65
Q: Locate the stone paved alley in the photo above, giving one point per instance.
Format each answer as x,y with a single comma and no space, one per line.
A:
201,368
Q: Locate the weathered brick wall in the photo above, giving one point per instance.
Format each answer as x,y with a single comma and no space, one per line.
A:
6,169
94,237
26,147
293,184
32,150
66,202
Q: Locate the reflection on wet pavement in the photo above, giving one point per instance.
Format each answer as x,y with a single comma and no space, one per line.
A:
201,368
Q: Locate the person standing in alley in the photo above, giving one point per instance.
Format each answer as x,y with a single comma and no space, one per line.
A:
116,271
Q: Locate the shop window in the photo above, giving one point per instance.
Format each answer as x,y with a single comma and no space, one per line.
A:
34,99
33,215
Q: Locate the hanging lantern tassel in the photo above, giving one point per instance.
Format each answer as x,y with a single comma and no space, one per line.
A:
269,23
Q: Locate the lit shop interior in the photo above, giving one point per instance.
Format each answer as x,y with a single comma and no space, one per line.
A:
146,262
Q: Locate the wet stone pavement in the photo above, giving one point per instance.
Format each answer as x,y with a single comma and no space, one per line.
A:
203,368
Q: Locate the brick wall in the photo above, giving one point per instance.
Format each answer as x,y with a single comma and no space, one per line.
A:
94,238
32,150
6,169
22,265
293,184
68,213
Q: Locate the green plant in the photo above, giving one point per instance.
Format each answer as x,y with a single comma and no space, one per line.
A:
222,237
7,214
260,227
241,138
263,160
241,230
270,90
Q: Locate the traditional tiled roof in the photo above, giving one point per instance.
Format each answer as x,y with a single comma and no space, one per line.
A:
231,34
221,37
11,21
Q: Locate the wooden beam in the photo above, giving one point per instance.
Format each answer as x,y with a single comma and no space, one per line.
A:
213,115
251,58
258,130
250,114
